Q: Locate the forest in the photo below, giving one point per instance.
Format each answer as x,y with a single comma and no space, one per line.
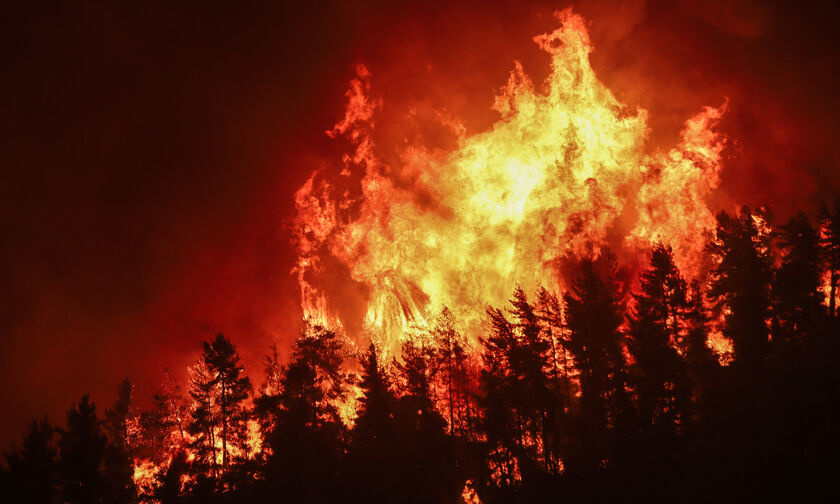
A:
607,391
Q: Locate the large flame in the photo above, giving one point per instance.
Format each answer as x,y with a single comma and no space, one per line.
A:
564,170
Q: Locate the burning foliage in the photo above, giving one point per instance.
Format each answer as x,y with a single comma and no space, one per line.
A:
648,344
564,171
593,394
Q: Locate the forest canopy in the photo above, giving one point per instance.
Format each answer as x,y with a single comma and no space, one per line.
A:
610,389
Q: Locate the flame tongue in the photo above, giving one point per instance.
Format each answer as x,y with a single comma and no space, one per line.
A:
564,170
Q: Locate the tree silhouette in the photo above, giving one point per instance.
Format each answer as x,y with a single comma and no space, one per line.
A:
162,425
450,360
797,298
594,313
500,424
548,308
740,285
539,392
572,398
120,426
376,404
267,404
231,387
372,454
702,365
82,446
425,458
32,474
203,420
307,442
656,326
829,218
169,486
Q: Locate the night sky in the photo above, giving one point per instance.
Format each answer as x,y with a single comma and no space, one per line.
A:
149,153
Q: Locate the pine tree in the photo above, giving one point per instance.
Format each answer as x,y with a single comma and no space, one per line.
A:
656,326
376,466
797,296
500,424
550,312
740,285
417,373
450,360
231,388
540,400
169,487
374,421
701,363
32,474
82,446
203,419
120,426
560,372
162,425
314,383
594,314
267,404
424,455
829,218
307,442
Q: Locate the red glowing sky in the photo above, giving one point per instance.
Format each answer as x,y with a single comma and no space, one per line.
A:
150,154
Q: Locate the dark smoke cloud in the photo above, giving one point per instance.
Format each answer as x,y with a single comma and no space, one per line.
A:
149,153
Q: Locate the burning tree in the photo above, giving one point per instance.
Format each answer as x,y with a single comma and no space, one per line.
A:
609,384
219,388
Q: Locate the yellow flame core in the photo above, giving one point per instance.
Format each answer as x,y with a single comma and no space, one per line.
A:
564,170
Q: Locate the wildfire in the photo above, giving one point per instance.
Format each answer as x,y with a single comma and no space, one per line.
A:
564,170
145,475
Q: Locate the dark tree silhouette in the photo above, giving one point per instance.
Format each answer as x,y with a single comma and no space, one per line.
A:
594,313
450,360
829,218
522,401
82,446
702,365
267,404
169,486
230,388
162,425
307,443
539,395
203,420
32,474
120,426
548,308
372,454
499,424
656,326
571,399
427,468
740,285
376,403
797,298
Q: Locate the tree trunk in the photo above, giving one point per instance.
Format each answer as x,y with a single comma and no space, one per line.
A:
449,382
224,429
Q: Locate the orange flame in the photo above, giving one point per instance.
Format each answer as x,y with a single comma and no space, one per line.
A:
563,170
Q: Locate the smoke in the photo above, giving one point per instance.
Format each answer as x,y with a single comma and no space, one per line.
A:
565,169
151,154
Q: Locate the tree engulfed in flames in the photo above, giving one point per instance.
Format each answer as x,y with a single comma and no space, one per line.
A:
563,171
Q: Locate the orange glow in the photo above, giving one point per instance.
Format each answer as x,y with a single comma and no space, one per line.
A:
145,476
722,346
825,289
565,169
469,494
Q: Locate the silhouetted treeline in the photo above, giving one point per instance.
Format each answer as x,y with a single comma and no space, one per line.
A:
609,391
